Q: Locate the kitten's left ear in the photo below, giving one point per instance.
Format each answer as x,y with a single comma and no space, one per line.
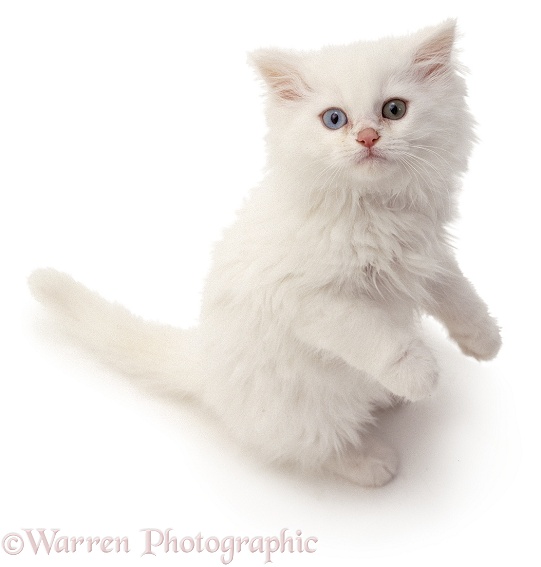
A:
432,58
281,71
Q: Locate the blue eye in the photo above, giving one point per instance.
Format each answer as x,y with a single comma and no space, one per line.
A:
334,118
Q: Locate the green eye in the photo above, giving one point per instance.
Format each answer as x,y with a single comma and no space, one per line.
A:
334,118
394,109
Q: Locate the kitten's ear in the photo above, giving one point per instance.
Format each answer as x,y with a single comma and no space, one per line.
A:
281,71
432,58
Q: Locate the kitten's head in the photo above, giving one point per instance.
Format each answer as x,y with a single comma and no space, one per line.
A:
379,115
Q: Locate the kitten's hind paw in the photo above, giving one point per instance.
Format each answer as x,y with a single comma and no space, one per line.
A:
374,466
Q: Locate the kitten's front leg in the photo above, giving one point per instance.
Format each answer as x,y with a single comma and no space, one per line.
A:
454,301
381,341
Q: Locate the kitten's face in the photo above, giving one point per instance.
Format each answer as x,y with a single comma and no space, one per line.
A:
370,112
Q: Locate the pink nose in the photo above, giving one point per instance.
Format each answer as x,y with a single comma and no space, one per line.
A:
367,137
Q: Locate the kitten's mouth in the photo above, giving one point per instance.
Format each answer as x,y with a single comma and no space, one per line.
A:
370,156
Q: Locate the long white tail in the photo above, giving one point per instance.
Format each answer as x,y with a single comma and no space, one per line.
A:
165,355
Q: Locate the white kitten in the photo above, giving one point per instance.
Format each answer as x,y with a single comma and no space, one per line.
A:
310,312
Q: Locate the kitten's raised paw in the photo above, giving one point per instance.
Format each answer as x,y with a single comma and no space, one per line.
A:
374,466
482,340
414,375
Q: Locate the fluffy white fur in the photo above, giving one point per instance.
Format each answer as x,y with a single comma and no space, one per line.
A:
310,312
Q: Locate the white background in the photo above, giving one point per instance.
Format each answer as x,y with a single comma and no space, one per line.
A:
130,132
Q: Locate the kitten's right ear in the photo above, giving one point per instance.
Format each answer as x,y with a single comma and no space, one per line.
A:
281,71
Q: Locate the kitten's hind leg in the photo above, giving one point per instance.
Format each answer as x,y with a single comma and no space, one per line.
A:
375,464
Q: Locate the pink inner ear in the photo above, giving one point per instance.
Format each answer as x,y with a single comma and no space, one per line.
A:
433,57
286,84
281,74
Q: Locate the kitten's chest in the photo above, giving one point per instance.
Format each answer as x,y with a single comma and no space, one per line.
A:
379,242
389,250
